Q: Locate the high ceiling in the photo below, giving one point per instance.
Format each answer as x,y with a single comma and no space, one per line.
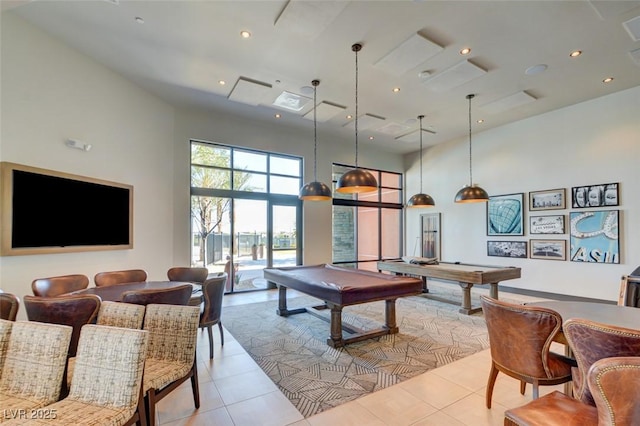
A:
184,48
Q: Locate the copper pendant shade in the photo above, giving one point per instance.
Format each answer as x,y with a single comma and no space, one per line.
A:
357,180
471,193
421,199
315,191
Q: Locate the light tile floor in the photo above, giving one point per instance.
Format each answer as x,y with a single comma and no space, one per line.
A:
235,391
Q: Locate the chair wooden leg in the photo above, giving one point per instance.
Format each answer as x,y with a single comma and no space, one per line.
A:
142,417
493,374
150,405
210,341
221,334
194,384
523,387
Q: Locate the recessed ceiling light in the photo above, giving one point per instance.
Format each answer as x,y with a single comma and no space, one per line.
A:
371,138
349,117
139,20
396,89
480,121
245,34
535,69
575,53
608,80
222,82
277,116
465,50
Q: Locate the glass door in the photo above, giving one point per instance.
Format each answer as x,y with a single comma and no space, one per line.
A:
285,248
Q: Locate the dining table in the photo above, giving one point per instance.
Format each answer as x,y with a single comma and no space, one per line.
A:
114,293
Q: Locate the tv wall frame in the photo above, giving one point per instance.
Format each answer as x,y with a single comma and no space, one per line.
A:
6,209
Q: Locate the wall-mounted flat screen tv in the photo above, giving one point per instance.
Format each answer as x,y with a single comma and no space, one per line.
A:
45,211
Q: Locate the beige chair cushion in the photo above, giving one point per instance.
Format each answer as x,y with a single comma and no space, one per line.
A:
5,332
34,365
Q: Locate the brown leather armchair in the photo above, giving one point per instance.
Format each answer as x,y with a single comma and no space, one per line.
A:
57,286
179,295
9,305
213,291
614,384
192,275
591,341
120,277
519,338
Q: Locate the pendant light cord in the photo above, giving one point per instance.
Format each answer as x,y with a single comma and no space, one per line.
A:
470,169
315,133
420,130
356,48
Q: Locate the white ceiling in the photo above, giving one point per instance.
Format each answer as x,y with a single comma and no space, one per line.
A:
184,48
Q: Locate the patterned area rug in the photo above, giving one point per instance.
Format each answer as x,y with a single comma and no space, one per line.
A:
315,377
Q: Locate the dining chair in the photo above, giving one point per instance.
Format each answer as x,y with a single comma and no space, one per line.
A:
213,292
520,338
612,381
57,286
171,355
179,295
34,364
9,305
120,314
119,277
5,332
106,388
189,274
591,341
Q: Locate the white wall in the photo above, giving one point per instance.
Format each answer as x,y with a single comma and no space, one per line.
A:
589,143
270,137
51,93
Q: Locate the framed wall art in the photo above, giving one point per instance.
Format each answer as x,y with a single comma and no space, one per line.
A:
507,249
546,224
505,214
548,249
430,235
552,199
602,195
594,236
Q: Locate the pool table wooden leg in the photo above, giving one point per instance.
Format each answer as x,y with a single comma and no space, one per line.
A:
390,316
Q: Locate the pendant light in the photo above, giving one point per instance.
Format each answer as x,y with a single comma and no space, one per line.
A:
471,193
421,199
315,191
357,180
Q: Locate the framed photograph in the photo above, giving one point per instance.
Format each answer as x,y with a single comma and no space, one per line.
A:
546,224
594,236
505,215
507,249
602,195
551,199
430,235
548,249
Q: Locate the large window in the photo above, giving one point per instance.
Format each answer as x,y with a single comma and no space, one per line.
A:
367,227
245,212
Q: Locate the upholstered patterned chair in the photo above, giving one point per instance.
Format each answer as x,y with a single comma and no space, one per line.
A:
57,286
120,277
171,354
106,388
183,273
591,341
179,295
9,305
34,365
520,337
120,314
213,292
5,332
613,382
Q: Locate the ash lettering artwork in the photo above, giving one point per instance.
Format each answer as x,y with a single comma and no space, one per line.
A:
505,214
594,237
